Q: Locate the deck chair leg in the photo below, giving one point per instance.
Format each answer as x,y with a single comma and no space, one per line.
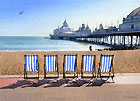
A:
66,81
91,80
112,78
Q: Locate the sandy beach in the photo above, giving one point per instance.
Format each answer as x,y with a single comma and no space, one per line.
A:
125,61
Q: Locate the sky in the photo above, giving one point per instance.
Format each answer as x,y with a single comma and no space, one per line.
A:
41,17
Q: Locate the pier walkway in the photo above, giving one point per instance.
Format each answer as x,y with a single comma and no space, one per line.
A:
114,39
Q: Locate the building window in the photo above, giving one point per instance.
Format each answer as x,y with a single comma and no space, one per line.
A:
132,26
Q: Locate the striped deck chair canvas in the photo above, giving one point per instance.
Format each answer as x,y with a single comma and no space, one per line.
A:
70,65
31,64
106,66
50,66
88,65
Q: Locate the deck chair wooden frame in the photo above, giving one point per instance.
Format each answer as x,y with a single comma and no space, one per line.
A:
93,69
26,72
111,71
75,74
57,73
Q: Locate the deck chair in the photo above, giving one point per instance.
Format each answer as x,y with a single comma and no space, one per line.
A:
69,66
51,66
31,65
105,69
88,66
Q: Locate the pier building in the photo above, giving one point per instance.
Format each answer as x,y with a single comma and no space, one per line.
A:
126,35
102,30
83,31
64,30
131,22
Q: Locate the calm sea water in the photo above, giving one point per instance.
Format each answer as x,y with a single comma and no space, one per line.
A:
23,43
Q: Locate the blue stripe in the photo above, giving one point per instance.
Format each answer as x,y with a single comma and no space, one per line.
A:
26,63
70,61
93,63
106,63
52,64
74,63
48,63
45,63
85,62
88,63
65,64
36,63
109,64
31,62
55,63
90,69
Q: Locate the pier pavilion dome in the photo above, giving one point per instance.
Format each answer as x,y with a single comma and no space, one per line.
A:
131,22
134,13
64,30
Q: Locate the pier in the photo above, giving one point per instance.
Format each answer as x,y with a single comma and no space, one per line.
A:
118,39
124,36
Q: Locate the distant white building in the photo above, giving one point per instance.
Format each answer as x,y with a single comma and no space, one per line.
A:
131,22
101,30
64,30
83,31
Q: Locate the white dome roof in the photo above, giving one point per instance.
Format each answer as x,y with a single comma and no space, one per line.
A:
134,13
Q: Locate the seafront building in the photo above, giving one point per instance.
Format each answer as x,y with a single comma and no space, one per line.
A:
130,24
64,32
59,33
83,31
102,30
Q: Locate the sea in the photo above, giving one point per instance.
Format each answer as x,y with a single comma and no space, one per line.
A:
35,43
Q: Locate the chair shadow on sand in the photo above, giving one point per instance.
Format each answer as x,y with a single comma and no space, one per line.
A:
52,83
56,84
77,83
19,83
26,83
98,82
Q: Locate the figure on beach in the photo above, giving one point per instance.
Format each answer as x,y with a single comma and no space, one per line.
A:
90,48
